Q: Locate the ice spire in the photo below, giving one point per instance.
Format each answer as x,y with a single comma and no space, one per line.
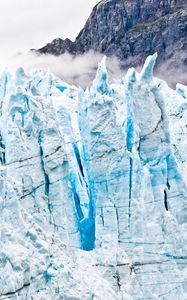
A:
131,76
147,71
100,83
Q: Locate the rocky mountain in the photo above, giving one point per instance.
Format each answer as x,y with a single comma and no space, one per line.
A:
132,30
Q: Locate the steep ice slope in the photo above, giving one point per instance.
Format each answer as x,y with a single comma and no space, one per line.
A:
102,170
35,264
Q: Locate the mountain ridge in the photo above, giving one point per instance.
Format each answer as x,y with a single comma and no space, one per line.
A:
135,29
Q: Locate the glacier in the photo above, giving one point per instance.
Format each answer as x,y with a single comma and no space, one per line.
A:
93,194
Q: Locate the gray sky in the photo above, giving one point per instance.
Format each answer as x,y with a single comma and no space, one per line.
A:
26,24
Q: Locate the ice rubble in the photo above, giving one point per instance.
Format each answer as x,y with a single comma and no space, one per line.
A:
102,170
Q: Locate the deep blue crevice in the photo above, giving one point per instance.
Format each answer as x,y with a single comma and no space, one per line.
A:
87,229
130,189
26,99
86,225
2,151
23,119
168,184
130,134
165,200
80,214
129,144
77,155
47,182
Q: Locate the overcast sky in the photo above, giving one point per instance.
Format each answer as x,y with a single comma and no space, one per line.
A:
26,24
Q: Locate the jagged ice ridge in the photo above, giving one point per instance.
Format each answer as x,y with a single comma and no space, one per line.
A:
93,195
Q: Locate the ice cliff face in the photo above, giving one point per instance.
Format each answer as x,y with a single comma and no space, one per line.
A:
93,195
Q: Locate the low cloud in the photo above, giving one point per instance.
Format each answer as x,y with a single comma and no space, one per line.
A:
80,70
172,73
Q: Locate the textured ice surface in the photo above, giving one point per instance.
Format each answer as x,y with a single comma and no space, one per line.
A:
102,170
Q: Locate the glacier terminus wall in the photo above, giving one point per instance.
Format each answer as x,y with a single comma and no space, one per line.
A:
93,189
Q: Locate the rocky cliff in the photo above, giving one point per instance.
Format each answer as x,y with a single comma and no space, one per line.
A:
132,30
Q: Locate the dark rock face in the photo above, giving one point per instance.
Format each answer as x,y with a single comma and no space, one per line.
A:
132,30
59,46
